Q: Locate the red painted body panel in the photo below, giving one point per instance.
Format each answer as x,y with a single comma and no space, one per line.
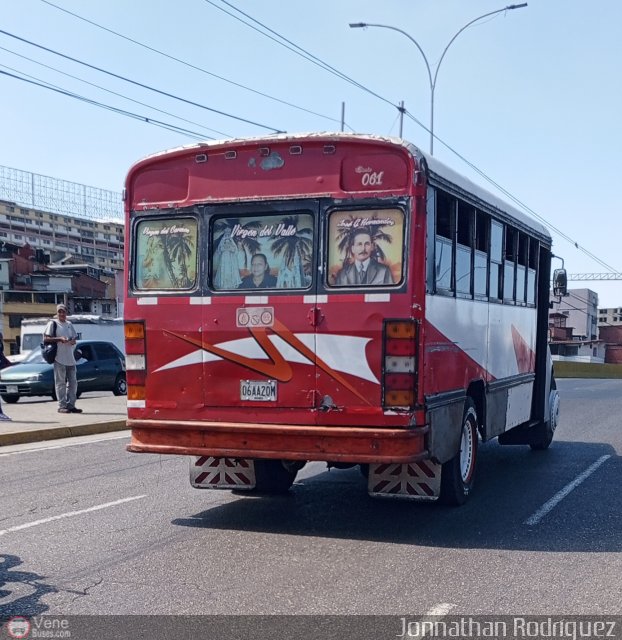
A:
323,411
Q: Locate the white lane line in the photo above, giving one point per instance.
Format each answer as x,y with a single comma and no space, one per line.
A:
69,514
441,609
560,495
423,627
75,441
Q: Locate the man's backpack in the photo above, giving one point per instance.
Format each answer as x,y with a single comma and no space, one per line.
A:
49,349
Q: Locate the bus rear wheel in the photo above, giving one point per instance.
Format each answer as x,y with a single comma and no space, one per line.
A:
542,435
274,476
458,474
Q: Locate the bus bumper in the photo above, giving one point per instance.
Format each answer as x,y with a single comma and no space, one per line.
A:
278,441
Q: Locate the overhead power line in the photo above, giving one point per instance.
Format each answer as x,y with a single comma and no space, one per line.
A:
140,84
92,84
315,60
189,64
129,114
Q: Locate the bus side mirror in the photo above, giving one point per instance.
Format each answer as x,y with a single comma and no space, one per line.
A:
560,282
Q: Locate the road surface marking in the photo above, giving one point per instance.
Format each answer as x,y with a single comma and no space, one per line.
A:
425,625
67,442
69,514
560,495
441,609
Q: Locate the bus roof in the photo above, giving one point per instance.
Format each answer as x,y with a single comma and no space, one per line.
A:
437,169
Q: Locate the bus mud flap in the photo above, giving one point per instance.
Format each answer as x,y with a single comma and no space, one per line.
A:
414,480
222,473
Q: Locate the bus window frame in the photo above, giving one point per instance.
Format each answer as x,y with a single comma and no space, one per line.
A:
254,209
403,204
137,217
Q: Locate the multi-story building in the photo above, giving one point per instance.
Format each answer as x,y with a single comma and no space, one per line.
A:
98,243
60,241
573,327
610,317
581,309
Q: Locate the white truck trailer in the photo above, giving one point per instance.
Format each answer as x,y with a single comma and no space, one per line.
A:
88,327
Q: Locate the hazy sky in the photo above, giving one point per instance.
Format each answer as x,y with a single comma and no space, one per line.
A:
531,97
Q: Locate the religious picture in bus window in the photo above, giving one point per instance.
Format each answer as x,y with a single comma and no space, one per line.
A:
166,252
266,252
365,248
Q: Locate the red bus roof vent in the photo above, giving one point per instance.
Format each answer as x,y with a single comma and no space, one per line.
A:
201,157
295,150
264,152
231,155
329,149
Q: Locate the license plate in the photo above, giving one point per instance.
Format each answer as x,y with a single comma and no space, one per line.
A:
258,390
11,388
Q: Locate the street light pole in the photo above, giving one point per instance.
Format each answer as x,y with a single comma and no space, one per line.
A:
432,78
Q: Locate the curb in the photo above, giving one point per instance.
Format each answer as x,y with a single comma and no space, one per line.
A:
55,433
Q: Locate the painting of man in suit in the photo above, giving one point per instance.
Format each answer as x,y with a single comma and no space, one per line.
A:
362,268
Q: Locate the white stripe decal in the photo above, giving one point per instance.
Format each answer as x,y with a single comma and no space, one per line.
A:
345,354
69,514
201,300
136,404
256,300
147,301
377,297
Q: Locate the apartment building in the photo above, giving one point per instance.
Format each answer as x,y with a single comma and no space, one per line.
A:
610,317
98,243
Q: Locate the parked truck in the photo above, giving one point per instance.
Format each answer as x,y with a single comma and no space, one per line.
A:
88,327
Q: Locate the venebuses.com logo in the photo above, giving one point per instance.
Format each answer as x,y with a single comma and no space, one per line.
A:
21,627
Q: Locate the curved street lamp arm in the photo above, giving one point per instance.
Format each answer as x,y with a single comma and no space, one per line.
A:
386,26
466,26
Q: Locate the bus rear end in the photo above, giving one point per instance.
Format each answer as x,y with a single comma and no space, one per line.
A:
274,307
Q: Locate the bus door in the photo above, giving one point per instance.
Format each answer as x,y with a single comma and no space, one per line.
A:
259,328
364,285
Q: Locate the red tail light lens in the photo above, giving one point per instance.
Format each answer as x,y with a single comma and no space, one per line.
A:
400,364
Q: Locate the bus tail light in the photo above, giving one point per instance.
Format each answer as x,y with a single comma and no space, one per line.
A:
400,363
135,393
135,360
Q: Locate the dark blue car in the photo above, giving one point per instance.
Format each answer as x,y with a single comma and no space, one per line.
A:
100,367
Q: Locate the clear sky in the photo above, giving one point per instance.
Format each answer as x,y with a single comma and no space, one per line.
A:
532,97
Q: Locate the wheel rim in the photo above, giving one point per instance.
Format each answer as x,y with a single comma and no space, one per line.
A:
467,448
122,387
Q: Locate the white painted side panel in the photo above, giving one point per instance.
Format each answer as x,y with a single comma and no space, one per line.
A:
484,331
519,405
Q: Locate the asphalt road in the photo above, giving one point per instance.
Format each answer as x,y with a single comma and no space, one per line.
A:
87,528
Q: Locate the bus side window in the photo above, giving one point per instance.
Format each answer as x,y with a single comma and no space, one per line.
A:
464,249
430,238
496,260
531,271
480,261
444,245
509,264
521,268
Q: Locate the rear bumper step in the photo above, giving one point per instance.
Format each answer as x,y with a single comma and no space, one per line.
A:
277,441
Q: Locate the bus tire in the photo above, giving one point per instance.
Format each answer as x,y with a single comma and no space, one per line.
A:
542,435
458,474
273,476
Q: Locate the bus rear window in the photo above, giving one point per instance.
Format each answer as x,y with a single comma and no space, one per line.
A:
262,252
365,248
166,254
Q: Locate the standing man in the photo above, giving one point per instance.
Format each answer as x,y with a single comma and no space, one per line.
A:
363,269
65,378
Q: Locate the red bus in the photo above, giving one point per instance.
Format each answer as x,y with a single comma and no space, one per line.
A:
331,297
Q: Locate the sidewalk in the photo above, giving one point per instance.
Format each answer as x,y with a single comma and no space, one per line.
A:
37,419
